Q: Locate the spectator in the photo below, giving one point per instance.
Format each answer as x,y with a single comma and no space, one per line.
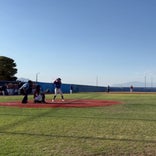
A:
131,88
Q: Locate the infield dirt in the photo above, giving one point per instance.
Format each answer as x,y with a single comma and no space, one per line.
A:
65,104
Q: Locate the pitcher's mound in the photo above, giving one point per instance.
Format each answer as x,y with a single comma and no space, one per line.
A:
64,104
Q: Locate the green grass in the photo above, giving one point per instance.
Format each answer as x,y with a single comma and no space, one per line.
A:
127,129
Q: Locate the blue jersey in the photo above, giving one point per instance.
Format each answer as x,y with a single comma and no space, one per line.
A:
57,84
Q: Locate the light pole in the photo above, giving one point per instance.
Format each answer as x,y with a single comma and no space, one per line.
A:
97,81
37,76
151,81
145,81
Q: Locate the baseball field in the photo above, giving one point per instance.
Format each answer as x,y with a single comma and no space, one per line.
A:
85,124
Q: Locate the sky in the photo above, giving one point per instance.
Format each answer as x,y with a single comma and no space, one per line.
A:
90,42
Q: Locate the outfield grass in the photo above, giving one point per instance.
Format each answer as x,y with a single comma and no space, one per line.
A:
127,129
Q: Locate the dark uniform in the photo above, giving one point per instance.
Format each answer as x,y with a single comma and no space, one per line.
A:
57,90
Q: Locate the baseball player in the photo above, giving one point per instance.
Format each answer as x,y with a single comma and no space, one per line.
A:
39,96
57,90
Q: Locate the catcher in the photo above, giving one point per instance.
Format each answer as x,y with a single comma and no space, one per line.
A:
39,97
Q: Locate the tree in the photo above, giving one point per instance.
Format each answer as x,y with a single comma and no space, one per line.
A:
7,69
